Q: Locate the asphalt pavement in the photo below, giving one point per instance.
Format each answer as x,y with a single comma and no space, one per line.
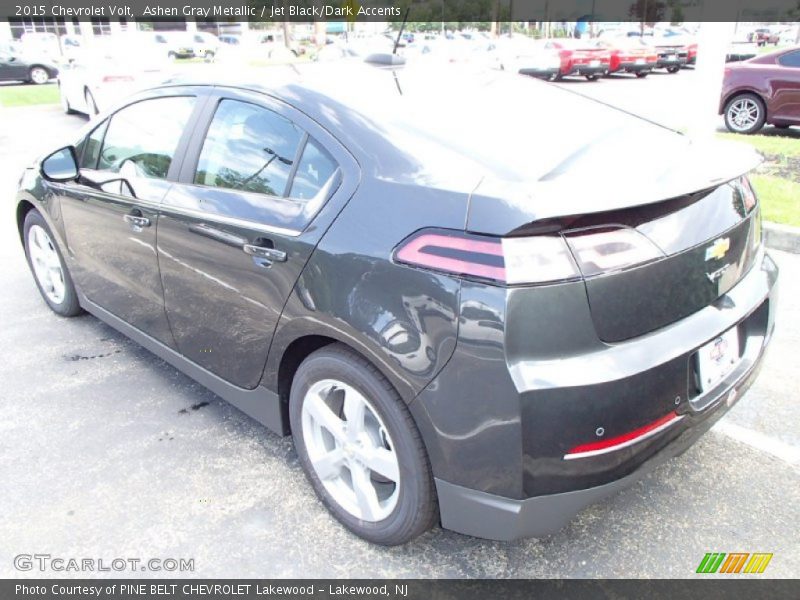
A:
107,452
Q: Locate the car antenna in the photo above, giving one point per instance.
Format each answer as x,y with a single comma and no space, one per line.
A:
400,33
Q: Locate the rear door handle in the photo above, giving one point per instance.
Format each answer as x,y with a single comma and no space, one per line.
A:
270,254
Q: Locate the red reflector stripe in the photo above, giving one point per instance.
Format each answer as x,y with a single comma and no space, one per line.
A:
624,440
417,252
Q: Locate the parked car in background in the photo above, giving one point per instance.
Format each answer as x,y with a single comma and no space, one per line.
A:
763,36
580,57
672,55
204,44
18,63
526,56
472,321
629,55
230,39
764,89
107,72
171,44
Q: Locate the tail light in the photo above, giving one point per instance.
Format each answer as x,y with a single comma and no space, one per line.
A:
507,261
116,78
603,250
746,190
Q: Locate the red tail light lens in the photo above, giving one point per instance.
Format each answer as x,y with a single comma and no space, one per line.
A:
503,260
116,78
601,251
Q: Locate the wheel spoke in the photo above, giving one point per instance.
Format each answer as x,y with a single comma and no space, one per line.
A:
383,462
329,466
354,410
325,417
366,497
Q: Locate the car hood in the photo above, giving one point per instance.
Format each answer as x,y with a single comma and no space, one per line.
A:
608,174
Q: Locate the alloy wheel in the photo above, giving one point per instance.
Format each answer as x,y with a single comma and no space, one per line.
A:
39,75
46,264
743,114
350,450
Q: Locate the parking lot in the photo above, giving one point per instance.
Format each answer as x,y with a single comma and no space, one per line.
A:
106,451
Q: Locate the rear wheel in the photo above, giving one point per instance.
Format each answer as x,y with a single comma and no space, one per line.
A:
38,75
91,105
745,113
592,77
642,74
360,448
674,69
48,267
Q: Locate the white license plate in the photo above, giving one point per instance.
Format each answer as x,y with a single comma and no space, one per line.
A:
670,57
594,63
718,358
639,61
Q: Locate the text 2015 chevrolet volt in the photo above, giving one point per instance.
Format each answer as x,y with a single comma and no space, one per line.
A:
459,312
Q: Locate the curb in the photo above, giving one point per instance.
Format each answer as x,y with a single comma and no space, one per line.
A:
782,237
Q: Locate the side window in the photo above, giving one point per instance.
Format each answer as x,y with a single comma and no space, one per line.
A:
145,135
790,60
315,169
89,151
248,148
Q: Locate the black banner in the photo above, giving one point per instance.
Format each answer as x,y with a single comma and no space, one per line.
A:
129,589
417,10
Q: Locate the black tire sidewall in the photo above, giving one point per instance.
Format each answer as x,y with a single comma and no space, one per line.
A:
416,483
69,306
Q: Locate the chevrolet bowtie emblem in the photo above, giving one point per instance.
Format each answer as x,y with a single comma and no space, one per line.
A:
718,249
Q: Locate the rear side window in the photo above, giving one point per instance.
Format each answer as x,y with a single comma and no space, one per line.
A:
790,60
315,169
248,148
146,134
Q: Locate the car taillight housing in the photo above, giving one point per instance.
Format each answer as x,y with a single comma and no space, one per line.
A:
527,260
116,78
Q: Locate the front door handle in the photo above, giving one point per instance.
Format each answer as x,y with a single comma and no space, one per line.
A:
136,220
270,254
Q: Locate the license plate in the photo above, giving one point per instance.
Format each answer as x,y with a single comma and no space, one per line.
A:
594,63
639,61
718,358
670,57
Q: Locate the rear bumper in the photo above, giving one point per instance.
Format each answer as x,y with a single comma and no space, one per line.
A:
498,444
586,69
664,64
539,72
633,67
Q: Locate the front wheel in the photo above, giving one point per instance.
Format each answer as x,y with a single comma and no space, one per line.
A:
38,75
360,447
48,267
674,69
745,113
642,74
592,77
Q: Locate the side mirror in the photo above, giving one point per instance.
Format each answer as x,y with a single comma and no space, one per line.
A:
61,165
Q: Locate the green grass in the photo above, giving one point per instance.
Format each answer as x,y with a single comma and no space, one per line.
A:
28,95
773,143
780,199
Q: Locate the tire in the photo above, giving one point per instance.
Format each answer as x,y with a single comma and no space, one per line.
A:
44,258
642,74
674,69
738,122
38,75
65,105
593,77
172,55
91,105
332,381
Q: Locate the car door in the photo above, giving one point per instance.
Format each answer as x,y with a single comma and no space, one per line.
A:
785,82
12,66
110,215
235,233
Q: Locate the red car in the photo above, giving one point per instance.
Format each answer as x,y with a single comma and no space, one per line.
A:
764,89
581,58
630,55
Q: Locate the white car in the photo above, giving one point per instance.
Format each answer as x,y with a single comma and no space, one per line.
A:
526,56
205,45
172,44
105,74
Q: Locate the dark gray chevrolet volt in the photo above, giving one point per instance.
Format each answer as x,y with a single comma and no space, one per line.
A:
436,282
